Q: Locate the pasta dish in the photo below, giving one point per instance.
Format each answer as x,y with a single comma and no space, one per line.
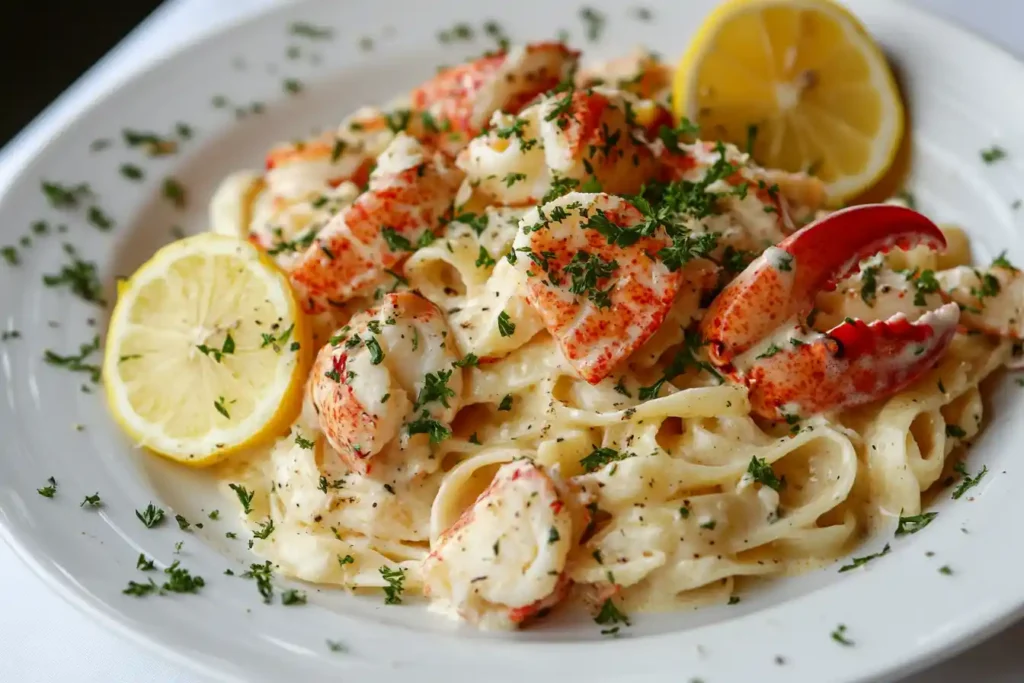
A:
566,349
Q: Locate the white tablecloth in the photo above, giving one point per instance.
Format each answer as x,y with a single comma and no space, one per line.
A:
42,639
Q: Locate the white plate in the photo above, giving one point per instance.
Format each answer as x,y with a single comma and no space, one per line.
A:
901,612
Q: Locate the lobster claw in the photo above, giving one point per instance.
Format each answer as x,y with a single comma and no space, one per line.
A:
853,363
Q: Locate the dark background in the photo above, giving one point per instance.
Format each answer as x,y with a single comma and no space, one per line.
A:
45,45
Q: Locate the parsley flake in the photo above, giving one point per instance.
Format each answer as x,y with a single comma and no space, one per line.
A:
914,523
92,501
152,516
396,580
49,490
761,472
506,328
861,561
967,482
244,496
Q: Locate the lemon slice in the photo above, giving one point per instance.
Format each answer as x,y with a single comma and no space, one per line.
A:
803,82
207,350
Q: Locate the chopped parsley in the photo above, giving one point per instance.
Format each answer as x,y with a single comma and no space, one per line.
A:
395,241
469,360
967,482
593,23
673,136
955,431
914,523
292,86
924,283
277,341
506,403
761,472
435,388
49,490
293,596
559,186
494,30
398,120
736,260
669,206
96,217
861,561
140,589
476,221
869,286
179,580
221,408
152,516
92,501
143,564
308,444
610,615
324,484
430,123
263,575
77,363
244,496
483,259
132,172
1002,262
993,154
396,580
81,277
424,424
599,457
227,348
586,270
513,178
153,144
515,129
989,286
506,328
65,196
312,31
266,528
770,351
839,635
174,192
376,353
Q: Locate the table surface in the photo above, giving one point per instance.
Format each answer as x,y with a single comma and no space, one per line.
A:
76,649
